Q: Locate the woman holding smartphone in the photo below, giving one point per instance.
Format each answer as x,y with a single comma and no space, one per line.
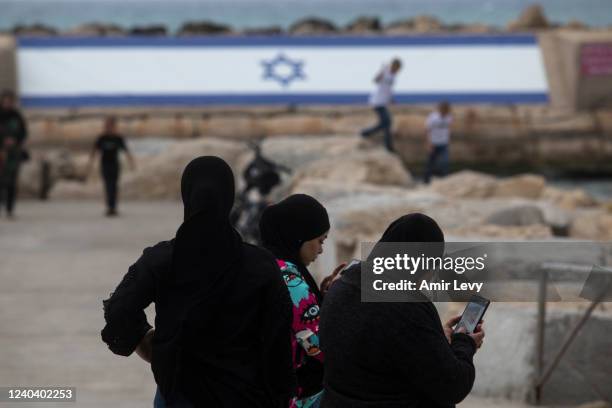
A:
294,230
390,354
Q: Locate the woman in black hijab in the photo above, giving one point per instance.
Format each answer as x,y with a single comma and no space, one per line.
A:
294,230
393,355
223,315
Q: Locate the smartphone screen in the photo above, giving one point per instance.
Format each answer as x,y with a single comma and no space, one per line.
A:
473,313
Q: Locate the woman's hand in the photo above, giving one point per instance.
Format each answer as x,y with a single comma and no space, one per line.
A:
145,347
329,280
477,335
448,327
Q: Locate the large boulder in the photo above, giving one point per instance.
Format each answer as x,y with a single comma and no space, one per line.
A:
298,151
517,215
373,167
526,186
470,184
365,213
568,199
369,214
312,25
532,18
592,225
465,184
159,176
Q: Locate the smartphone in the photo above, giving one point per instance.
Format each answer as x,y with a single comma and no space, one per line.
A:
473,313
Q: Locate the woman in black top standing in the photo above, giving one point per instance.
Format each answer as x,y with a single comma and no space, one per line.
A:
223,314
393,355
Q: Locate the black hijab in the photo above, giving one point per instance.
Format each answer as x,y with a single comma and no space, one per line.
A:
206,256
285,226
415,228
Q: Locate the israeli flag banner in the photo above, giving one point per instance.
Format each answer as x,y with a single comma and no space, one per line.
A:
193,71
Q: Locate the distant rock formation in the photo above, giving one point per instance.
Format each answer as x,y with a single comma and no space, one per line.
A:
97,30
364,25
430,24
203,28
152,30
312,25
37,30
271,30
532,18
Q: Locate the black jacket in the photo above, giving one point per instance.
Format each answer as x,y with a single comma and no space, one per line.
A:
251,345
14,125
389,355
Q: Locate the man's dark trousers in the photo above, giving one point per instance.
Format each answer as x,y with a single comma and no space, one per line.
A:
110,174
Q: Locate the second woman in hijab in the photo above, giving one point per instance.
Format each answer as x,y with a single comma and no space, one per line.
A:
294,230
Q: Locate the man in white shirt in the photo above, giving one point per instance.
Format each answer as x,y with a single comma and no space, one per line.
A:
438,126
383,96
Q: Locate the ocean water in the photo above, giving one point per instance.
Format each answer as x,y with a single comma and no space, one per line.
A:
65,14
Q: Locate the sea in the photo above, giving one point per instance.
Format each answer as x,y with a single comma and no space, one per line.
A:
241,14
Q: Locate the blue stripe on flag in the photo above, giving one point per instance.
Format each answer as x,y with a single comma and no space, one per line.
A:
271,99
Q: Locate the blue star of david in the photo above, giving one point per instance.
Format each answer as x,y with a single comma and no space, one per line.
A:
271,70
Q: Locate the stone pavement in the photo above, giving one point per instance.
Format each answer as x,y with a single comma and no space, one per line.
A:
58,260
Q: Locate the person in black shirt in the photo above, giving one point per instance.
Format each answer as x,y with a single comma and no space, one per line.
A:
13,133
109,144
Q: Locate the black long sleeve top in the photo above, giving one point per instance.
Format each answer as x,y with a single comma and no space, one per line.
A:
390,355
265,326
